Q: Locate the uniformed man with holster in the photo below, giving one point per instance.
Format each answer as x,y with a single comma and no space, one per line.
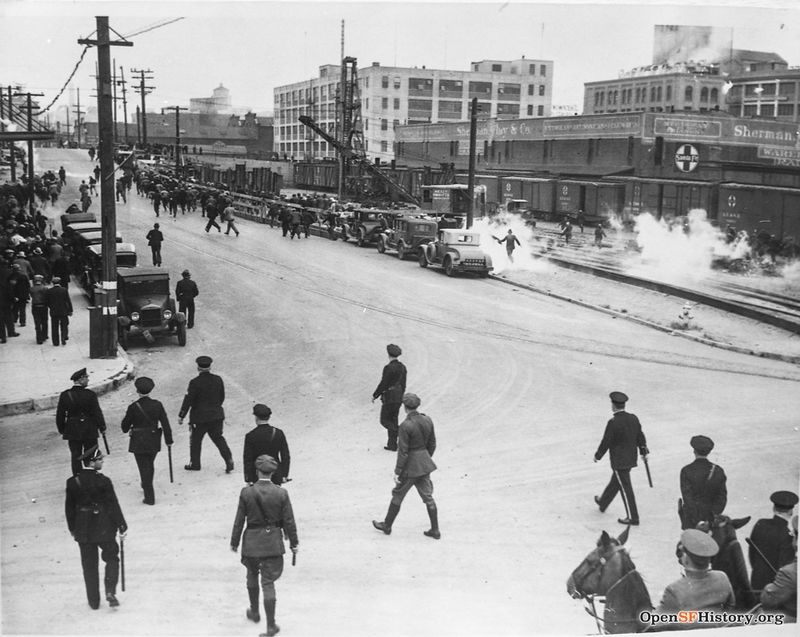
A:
703,486
391,390
78,417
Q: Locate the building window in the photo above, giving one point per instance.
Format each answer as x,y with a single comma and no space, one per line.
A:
449,109
530,109
669,92
540,110
508,109
531,88
420,86
384,81
714,95
366,123
541,89
787,89
767,110
704,94
384,146
384,103
769,89
396,81
688,94
395,123
366,81
531,69
396,103
542,70
480,89
785,110
749,110
366,103
384,124
750,90
497,68
658,94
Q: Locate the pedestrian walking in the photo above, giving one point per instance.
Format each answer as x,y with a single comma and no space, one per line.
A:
79,418
622,436
599,235
511,242
703,486
93,518
391,389
142,419
97,172
39,308
212,213
91,153
203,402
268,440
154,239
267,510
121,191
62,176
567,231
414,465
781,593
60,306
295,219
7,328
286,220
229,215
770,541
185,292
21,289
93,186
581,220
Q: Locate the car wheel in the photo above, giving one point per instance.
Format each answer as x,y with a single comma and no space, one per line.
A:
182,334
123,338
401,251
448,266
381,245
360,239
423,260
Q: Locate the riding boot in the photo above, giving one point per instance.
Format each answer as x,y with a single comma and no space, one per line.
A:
269,609
433,514
252,613
391,514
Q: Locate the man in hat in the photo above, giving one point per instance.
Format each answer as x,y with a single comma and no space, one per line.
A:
60,306
770,542
93,518
622,436
265,440
39,307
781,593
703,490
21,289
267,509
185,292
391,390
204,399
142,419
154,239
700,588
79,418
417,443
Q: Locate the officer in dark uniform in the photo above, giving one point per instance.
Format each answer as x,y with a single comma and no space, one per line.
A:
265,440
703,490
391,390
267,510
781,593
622,436
93,518
204,398
185,291
142,419
771,541
79,418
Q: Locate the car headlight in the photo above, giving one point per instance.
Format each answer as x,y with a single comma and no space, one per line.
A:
167,314
134,316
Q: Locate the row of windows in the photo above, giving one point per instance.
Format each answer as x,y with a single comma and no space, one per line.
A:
303,95
787,89
455,88
639,95
498,68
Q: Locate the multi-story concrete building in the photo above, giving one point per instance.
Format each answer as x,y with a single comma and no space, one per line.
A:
219,102
767,93
393,96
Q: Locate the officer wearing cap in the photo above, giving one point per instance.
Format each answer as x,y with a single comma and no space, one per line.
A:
622,436
416,445
203,402
142,420
771,542
781,593
391,390
703,486
79,418
700,588
93,518
265,439
39,307
185,292
267,510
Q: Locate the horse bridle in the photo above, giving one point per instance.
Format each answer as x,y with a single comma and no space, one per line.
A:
601,564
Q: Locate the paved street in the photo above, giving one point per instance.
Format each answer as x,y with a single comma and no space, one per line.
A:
516,383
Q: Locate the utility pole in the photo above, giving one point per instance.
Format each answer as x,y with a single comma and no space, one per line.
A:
138,127
29,106
122,83
78,113
143,90
177,110
473,128
340,125
108,292
11,146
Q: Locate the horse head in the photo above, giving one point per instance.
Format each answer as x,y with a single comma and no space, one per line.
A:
723,529
730,559
600,568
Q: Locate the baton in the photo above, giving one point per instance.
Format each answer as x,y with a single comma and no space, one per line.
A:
105,442
647,468
294,558
763,557
122,561
169,455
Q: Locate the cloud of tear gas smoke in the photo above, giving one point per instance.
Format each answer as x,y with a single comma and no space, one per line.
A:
523,254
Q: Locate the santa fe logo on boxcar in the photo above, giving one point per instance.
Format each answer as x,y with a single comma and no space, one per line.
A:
687,158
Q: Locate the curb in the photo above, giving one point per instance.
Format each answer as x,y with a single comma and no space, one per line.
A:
50,402
661,328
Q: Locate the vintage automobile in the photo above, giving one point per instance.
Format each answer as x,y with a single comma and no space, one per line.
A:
76,217
144,306
406,234
80,241
456,251
93,266
365,226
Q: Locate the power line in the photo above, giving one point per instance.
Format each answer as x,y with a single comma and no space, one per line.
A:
69,79
153,27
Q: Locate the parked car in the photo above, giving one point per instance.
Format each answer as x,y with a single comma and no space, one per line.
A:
93,266
406,235
456,251
145,307
365,226
76,217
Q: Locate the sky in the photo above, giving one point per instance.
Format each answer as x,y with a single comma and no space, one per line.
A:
252,47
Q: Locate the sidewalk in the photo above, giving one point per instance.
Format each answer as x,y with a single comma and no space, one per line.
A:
34,375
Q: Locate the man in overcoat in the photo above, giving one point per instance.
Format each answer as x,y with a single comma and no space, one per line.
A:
781,593
771,542
93,518
60,306
622,436
703,486
142,419
268,440
391,390
203,402
267,510
79,418
185,293
414,465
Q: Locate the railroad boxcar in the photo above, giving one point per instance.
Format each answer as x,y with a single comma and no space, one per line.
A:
755,208
599,201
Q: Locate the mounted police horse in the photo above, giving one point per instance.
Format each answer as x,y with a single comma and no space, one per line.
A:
608,572
730,559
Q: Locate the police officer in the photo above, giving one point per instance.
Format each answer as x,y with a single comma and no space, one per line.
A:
391,390
93,518
185,292
79,418
417,443
622,436
781,593
142,419
267,510
265,440
770,542
703,490
204,398
700,588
